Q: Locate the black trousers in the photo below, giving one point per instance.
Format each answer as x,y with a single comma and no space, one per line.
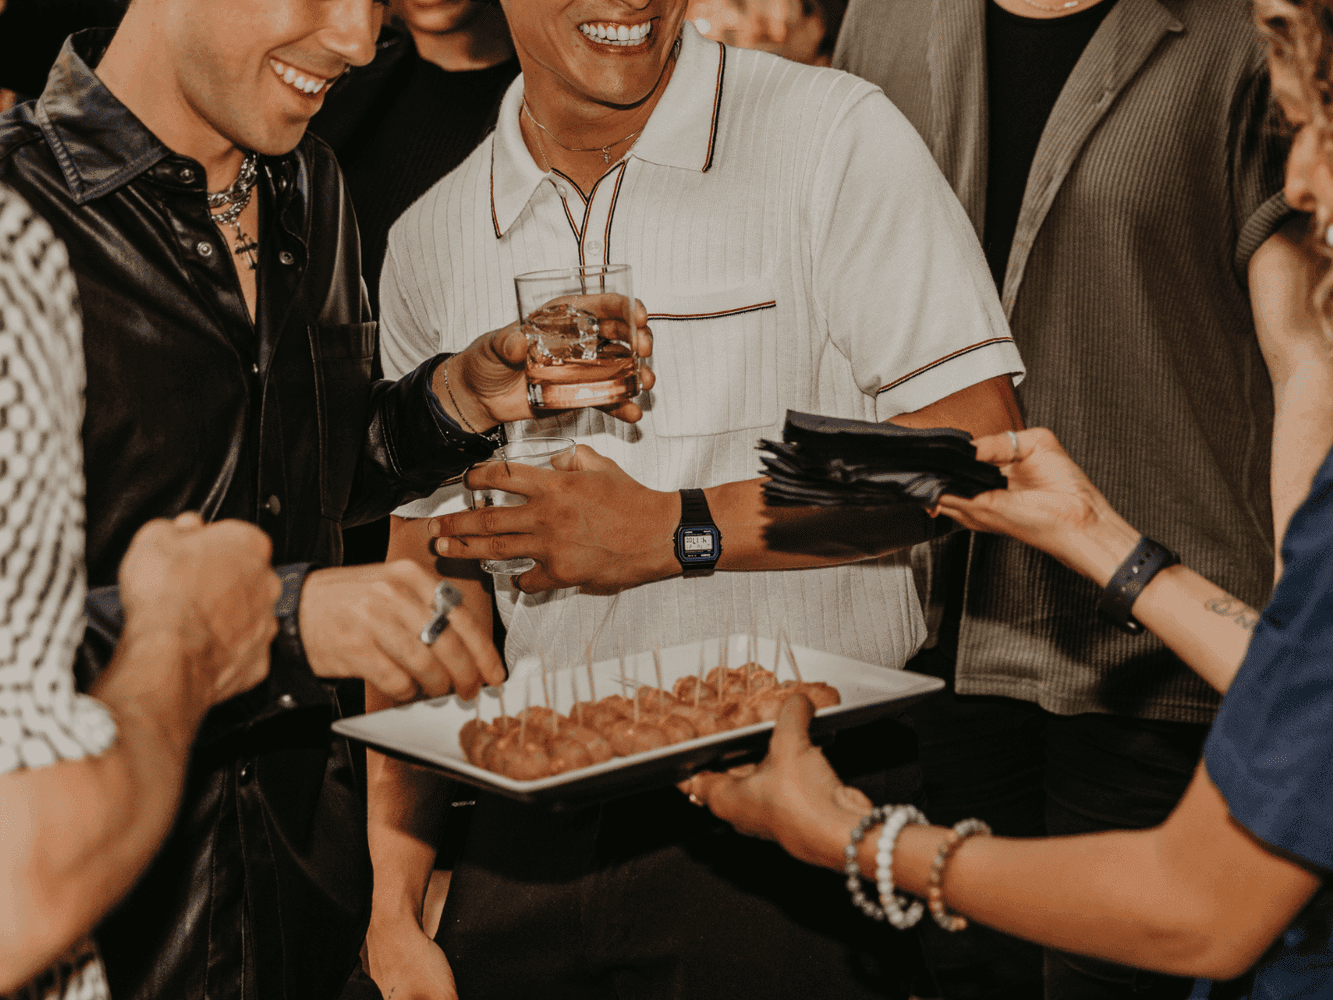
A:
650,898
1030,773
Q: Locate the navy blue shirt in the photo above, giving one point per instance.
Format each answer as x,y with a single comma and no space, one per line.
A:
1270,752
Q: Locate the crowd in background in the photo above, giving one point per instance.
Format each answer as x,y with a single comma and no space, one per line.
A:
1107,219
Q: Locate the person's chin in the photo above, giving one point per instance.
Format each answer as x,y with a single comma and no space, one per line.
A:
284,123
278,139
622,85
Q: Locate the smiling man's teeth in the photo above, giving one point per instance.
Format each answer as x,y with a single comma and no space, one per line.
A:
307,85
616,34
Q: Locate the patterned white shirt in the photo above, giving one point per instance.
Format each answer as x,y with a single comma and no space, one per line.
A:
42,719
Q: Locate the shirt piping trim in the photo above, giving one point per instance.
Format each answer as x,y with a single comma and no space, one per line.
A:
771,304
587,212
495,219
577,190
611,213
574,226
717,105
947,358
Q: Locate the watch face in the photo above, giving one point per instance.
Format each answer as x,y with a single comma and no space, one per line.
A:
698,544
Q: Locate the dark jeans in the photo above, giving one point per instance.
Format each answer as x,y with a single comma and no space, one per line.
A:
650,898
1029,773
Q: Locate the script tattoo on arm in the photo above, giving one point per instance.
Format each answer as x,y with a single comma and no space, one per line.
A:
1228,607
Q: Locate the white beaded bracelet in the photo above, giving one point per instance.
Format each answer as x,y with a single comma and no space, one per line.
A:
900,911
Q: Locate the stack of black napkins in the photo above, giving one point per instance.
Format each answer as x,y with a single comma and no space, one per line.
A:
832,462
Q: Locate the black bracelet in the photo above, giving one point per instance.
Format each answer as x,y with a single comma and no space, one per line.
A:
1125,585
287,609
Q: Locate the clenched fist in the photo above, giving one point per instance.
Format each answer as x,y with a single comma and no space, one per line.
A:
210,587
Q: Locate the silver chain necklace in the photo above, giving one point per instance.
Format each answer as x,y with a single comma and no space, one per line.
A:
604,150
233,202
1064,6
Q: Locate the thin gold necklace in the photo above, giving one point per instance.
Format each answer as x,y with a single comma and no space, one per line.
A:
604,150
546,164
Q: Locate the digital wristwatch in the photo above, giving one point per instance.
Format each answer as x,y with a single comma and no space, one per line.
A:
698,542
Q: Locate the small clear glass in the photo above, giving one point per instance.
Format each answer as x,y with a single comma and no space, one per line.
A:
579,323
536,452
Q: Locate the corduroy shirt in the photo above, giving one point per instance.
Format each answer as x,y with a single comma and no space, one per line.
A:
1158,175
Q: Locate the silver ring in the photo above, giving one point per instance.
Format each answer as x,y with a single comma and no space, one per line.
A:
1014,438
696,800
447,597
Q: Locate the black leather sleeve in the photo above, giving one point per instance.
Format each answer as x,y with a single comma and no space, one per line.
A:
412,446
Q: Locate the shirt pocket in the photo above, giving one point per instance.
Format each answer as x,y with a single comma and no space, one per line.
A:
715,358
342,353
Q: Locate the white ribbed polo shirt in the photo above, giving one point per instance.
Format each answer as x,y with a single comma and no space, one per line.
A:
796,248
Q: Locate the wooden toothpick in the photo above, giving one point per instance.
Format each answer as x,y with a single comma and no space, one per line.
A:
791,654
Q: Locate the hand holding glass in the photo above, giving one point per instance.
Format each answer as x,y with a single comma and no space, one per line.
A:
536,452
579,323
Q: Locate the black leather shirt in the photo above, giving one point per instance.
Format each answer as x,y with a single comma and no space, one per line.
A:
262,889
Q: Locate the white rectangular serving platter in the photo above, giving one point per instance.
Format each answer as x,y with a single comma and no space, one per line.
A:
426,732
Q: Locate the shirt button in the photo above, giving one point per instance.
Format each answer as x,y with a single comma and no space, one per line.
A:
594,246
287,701
287,258
562,191
204,250
254,369
247,772
273,505
187,175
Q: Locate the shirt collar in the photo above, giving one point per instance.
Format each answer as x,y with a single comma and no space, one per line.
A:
98,142
682,131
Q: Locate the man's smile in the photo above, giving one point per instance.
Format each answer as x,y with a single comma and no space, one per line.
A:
306,83
616,34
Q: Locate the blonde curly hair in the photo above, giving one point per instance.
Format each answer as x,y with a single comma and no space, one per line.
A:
1300,36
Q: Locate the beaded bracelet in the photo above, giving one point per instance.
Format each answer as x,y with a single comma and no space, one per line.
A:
877,815
900,911
951,922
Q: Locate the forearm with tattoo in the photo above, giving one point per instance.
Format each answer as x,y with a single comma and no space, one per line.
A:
1240,613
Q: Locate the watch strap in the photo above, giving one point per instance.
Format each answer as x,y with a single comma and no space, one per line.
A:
694,513
1122,590
694,508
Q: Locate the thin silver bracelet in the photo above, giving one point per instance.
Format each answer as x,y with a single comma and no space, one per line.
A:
450,391
900,911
